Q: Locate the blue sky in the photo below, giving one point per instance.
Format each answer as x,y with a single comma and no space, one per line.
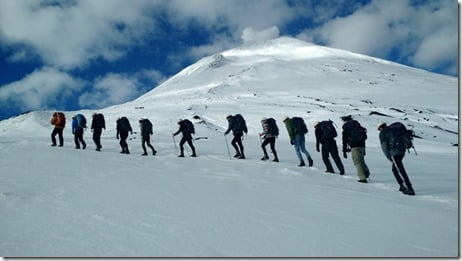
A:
74,54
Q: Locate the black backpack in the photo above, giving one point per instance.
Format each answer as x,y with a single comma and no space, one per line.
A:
300,126
272,126
356,132
124,124
98,121
146,126
240,123
189,126
399,137
327,130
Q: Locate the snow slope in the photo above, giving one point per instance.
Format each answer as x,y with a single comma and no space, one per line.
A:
63,202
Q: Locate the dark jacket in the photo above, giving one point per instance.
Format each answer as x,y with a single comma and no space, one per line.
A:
346,134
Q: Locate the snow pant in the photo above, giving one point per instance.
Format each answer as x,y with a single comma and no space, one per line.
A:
357,155
78,138
237,141
399,171
58,131
330,147
97,137
271,141
146,139
123,141
299,146
184,139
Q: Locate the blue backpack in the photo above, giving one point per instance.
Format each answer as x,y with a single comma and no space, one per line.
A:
81,121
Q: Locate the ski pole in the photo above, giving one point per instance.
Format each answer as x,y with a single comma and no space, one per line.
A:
227,147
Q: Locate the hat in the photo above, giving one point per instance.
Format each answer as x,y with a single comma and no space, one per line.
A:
264,119
346,118
381,124
179,120
285,119
229,116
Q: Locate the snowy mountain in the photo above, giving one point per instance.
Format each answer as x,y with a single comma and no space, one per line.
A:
68,202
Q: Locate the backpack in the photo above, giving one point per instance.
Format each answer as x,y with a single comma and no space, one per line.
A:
300,126
328,130
99,121
356,132
61,119
399,137
189,126
240,123
123,124
81,121
272,126
146,127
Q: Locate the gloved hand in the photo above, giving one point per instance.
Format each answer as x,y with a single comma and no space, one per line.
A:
317,149
292,142
117,136
345,154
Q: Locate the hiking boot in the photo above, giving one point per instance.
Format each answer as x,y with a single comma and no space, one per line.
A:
409,191
84,146
363,180
194,155
181,156
310,162
53,145
237,155
402,188
329,171
302,163
144,154
342,172
264,158
98,149
154,153
77,148
241,157
276,160
60,145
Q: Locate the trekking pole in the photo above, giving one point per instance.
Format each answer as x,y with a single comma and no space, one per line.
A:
227,147
174,142
414,150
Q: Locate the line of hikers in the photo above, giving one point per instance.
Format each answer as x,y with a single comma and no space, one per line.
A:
395,139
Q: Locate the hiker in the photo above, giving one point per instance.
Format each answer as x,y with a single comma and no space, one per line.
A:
394,145
297,129
237,124
59,121
186,128
269,135
325,135
123,127
97,126
354,140
146,131
78,124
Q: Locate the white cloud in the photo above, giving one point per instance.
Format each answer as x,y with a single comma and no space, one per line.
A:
250,35
69,34
423,35
111,89
42,89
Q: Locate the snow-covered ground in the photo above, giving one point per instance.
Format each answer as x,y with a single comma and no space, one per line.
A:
64,202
